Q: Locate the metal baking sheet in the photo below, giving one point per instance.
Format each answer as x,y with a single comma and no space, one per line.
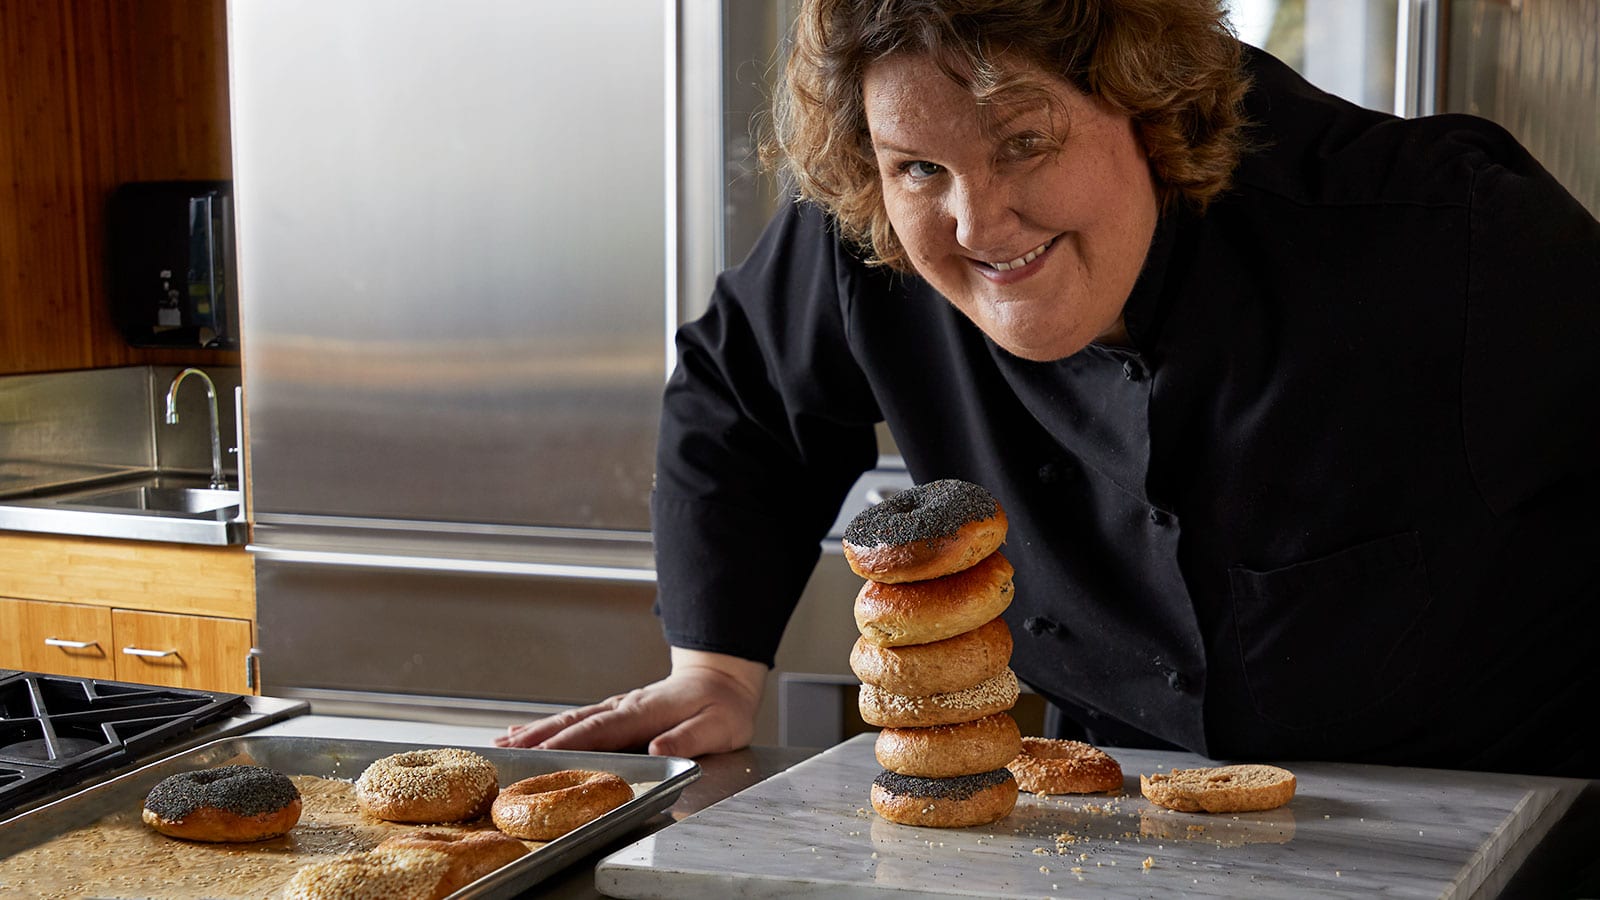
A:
665,778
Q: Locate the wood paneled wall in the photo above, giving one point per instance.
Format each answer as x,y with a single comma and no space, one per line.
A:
94,93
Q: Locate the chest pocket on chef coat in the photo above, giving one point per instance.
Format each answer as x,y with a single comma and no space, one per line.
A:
1327,640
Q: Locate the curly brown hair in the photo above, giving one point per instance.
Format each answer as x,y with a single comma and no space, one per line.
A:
1172,66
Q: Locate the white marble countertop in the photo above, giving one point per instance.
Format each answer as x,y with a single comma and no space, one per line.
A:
1350,831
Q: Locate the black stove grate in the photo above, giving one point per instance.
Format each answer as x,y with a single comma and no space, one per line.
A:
56,731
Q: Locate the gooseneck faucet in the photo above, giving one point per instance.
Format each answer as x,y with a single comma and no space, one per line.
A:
218,480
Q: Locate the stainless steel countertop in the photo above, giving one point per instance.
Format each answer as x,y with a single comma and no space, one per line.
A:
62,511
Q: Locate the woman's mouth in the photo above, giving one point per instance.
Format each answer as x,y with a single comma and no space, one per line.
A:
1024,259
1012,269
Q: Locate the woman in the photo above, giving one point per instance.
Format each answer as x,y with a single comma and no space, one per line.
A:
1288,402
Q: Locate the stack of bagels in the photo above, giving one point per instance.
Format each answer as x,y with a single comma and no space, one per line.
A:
934,655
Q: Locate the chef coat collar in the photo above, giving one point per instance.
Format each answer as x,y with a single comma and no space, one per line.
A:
1145,309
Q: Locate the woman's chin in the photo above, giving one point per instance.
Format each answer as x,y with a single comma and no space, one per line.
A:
1030,329
1040,348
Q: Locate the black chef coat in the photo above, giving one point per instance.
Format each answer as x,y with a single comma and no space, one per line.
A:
1336,501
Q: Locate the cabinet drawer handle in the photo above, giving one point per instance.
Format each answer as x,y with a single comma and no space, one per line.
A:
70,645
151,654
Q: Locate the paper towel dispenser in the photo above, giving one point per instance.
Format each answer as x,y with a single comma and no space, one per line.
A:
172,256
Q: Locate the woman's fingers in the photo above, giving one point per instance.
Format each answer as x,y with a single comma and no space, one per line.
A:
616,723
706,705
532,734
609,730
711,730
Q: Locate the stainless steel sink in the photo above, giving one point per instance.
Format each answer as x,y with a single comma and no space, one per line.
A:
160,499
159,507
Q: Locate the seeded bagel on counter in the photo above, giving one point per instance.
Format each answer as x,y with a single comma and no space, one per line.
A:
1047,766
962,802
1220,789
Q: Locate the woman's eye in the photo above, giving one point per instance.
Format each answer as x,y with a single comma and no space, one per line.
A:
919,169
1026,146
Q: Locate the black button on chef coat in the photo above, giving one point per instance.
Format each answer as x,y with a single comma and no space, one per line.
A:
1331,503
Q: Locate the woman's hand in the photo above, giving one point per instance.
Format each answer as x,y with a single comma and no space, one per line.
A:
707,705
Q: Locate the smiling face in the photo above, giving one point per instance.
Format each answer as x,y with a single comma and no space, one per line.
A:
1033,219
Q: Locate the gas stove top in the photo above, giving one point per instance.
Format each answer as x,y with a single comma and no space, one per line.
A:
57,731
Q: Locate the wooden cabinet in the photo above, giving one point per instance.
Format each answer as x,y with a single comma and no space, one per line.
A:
78,606
59,638
183,651
201,652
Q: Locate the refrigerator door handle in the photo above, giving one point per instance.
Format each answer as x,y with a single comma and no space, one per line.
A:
696,162
452,564
1416,64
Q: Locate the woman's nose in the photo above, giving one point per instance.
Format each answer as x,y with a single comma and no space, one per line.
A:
983,214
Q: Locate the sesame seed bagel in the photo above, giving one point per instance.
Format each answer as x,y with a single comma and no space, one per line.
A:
948,665
890,710
401,873
920,612
946,751
226,804
428,787
1220,789
1048,766
945,802
927,531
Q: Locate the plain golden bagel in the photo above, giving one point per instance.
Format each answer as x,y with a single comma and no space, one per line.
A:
945,802
545,807
472,854
889,710
429,787
948,665
226,804
919,612
927,531
946,751
1048,766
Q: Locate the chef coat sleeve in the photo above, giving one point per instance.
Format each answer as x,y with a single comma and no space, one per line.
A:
1531,370
767,420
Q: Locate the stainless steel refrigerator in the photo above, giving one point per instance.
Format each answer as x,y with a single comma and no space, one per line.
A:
467,230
